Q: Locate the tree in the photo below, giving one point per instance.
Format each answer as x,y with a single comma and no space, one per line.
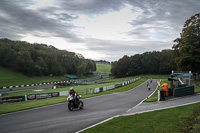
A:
121,67
41,59
187,47
136,65
147,63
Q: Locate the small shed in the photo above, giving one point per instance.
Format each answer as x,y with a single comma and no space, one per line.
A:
71,76
181,84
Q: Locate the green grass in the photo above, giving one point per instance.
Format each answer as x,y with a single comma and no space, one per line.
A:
173,120
197,86
19,106
79,88
11,78
103,68
13,107
5,108
154,97
163,78
121,89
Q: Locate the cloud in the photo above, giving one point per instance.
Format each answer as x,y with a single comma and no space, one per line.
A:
98,29
25,21
92,6
172,13
110,26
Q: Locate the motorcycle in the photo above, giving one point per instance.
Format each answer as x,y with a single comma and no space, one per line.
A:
74,103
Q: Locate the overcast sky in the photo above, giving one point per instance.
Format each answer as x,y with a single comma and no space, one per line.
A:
97,29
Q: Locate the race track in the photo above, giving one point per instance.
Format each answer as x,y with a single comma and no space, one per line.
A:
58,119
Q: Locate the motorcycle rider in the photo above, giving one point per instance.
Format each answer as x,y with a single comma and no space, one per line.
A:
73,93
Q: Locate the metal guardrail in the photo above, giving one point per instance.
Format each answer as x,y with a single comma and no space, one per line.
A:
105,88
56,94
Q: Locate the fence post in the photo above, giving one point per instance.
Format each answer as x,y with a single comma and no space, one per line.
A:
158,95
25,98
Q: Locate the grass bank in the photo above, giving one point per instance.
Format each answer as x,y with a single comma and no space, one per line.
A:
174,120
18,106
79,88
103,68
11,78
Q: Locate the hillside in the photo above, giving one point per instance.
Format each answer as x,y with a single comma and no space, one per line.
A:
103,68
9,77
41,59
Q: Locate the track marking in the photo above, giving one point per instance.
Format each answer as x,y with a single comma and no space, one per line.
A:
113,116
161,108
98,123
143,100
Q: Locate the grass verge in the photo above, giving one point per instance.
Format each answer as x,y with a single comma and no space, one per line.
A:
154,97
197,86
13,107
79,88
172,120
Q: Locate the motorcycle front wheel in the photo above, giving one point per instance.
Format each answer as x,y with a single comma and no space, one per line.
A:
81,105
70,106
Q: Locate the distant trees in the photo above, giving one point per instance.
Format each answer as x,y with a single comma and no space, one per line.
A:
102,62
121,67
41,59
147,63
187,48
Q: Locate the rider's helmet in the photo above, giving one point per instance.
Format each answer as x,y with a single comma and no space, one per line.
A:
71,90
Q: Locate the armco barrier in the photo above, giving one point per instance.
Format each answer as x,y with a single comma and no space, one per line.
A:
56,94
45,83
42,96
12,99
96,90
104,88
32,97
183,91
110,87
64,93
101,89
118,85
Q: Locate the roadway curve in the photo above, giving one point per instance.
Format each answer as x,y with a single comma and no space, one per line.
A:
58,119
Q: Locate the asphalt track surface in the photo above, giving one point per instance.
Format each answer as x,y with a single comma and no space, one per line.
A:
58,119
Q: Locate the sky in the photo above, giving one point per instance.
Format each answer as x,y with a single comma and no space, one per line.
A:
97,29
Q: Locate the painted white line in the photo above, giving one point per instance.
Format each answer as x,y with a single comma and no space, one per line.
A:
161,108
143,99
136,113
108,118
98,123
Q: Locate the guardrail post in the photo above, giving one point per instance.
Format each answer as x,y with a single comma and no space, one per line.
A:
25,97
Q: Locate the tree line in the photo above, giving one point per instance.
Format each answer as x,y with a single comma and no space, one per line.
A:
147,63
184,55
41,59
